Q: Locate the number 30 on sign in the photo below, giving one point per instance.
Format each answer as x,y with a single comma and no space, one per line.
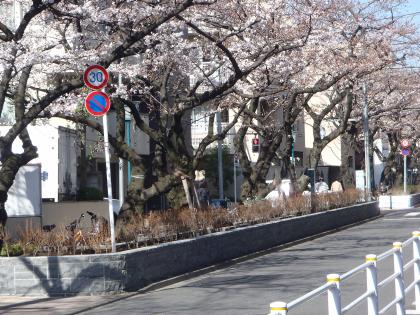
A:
96,77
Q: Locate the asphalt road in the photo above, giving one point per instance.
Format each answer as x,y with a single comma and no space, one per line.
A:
248,287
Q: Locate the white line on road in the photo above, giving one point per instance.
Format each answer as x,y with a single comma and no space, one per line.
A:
412,214
402,219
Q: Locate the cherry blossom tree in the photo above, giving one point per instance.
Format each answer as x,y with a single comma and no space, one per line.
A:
176,56
356,42
43,55
394,113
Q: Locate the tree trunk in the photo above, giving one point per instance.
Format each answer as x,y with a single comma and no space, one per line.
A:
388,176
346,173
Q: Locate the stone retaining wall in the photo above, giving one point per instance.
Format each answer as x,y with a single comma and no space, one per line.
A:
134,269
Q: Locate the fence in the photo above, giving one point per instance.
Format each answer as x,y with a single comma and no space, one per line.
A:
332,286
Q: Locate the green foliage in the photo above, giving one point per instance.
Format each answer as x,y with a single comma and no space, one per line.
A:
89,193
11,250
209,164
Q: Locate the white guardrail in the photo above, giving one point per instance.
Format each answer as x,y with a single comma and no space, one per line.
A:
332,286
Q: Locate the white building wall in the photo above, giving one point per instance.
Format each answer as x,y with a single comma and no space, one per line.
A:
378,165
57,155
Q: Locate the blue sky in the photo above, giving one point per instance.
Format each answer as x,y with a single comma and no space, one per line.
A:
414,6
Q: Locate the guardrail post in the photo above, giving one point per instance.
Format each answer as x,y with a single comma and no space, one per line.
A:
416,256
278,308
334,295
399,281
372,285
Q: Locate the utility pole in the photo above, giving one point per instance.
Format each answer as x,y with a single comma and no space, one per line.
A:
235,163
293,145
366,138
120,160
219,154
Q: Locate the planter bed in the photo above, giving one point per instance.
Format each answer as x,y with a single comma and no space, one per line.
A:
134,269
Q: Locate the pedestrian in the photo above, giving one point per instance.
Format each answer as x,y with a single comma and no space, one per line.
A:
321,186
336,186
203,194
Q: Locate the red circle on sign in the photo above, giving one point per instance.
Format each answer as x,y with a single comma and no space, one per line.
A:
97,103
405,143
95,77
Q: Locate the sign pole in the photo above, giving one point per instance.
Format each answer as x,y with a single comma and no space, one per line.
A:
109,183
97,103
120,160
234,178
367,147
405,173
405,144
220,155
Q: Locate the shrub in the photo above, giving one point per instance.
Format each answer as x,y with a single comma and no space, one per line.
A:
11,250
173,224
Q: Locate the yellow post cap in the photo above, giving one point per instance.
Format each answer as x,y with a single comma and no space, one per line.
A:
278,306
397,245
333,277
371,257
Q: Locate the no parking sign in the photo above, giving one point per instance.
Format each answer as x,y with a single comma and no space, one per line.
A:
97,103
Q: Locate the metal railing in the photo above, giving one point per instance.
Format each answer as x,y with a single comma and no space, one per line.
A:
333,290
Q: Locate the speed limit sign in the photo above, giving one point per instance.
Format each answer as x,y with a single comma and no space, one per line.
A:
95,77
405,143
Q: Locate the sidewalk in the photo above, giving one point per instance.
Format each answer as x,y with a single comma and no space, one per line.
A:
249,287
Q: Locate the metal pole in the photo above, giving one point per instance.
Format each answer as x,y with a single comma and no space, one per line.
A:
219,154
416,256
293,145
334,295
405,173
109,183
234,178
120,161
372,285
128,140
121,181
293,151
366,137
399,280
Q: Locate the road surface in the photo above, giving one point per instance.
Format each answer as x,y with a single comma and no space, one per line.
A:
248,287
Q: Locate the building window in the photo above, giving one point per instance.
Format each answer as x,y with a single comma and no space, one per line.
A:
224,116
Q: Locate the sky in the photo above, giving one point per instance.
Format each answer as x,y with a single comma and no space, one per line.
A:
412,7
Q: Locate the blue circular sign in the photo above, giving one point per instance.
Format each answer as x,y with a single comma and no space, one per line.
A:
97,103
405,151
